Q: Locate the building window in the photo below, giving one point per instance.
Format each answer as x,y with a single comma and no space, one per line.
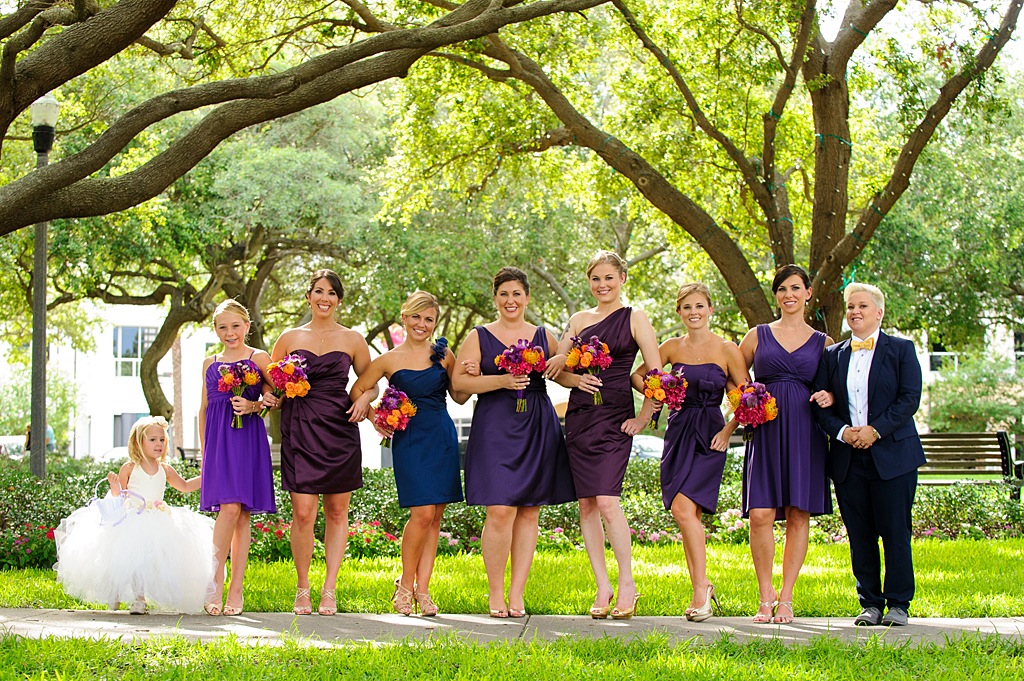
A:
939,359
130,343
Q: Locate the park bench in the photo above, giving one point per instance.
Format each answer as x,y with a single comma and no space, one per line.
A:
970,457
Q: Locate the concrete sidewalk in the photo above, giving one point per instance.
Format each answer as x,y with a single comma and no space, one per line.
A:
272,628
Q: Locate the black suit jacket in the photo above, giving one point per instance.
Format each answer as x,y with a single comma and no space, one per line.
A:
894,394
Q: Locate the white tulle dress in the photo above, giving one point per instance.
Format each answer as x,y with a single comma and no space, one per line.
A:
164,553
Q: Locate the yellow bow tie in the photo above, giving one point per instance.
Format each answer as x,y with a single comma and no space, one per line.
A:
856,345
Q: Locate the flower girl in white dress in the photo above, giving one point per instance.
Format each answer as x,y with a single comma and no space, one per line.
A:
156,555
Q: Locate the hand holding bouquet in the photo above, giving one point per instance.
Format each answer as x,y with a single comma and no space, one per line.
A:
667,387
392,413
519,359
288,376
234,379
752,405
591,356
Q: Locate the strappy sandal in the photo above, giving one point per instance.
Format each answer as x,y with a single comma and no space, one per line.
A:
302,609
402,599
427,606
324,610
600,613
784,619
761,618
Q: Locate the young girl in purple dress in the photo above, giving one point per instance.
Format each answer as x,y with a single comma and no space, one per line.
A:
237,476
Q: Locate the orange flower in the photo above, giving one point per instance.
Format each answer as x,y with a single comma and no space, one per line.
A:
393,419
408,409
287,368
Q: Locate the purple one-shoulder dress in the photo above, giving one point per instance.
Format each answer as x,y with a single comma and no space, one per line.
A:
320,451
784,462
598,449
236,461
516,458
689,466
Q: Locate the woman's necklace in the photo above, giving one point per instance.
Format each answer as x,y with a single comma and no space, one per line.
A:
318,335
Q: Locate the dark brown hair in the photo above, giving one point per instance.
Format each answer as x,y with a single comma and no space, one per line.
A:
507,274
787,271
329,275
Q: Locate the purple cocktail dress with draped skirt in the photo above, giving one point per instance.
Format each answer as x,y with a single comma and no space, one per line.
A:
689,466
598,449
516,458
784,462
320,450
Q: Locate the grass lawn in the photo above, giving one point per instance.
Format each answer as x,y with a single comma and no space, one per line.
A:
651,657
954,579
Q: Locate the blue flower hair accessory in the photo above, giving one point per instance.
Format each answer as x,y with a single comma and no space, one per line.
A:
440,348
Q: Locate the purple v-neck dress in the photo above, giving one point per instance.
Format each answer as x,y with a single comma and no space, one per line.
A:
784,463
598,449
516,458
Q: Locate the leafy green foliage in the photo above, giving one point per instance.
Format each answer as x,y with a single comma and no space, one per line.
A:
980,395
16,402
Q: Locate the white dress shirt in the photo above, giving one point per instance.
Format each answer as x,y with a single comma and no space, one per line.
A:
857,383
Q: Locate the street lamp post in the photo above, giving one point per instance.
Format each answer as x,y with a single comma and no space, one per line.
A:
44,120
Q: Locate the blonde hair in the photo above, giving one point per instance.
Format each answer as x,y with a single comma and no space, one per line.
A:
877,297
687,290
138,434
234,307
607,258
418,301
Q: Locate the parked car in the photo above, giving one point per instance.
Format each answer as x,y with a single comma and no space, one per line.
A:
646,447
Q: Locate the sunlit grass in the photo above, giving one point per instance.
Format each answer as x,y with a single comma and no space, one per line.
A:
954,579
448,657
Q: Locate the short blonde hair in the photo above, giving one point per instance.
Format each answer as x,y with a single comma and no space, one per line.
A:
234,307
877,297
687,290
138,434
607,258
418,301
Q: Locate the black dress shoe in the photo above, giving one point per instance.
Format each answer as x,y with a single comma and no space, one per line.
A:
896,617
869,617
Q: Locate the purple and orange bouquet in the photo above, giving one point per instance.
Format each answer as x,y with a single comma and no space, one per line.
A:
234,379
288,376
667,387
591,356
752,405
393,412
519,359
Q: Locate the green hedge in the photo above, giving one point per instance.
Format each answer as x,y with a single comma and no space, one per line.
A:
30,509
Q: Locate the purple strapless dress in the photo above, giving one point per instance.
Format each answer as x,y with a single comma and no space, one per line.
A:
784,462
236,461
598,449
689,466
516,458
320,451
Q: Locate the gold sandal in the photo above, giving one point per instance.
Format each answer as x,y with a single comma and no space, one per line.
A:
402,599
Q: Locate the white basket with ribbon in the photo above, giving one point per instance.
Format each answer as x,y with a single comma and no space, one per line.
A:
114,510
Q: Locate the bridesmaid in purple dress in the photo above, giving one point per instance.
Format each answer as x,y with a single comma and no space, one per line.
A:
784,464
320,450
515,461
599,437
697,437
237,478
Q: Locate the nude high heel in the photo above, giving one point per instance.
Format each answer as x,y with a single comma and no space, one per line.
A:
704,612
402,599
625,614
602,613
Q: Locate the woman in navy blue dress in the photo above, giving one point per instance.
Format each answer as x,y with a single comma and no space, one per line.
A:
426,453
516,461
784,463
